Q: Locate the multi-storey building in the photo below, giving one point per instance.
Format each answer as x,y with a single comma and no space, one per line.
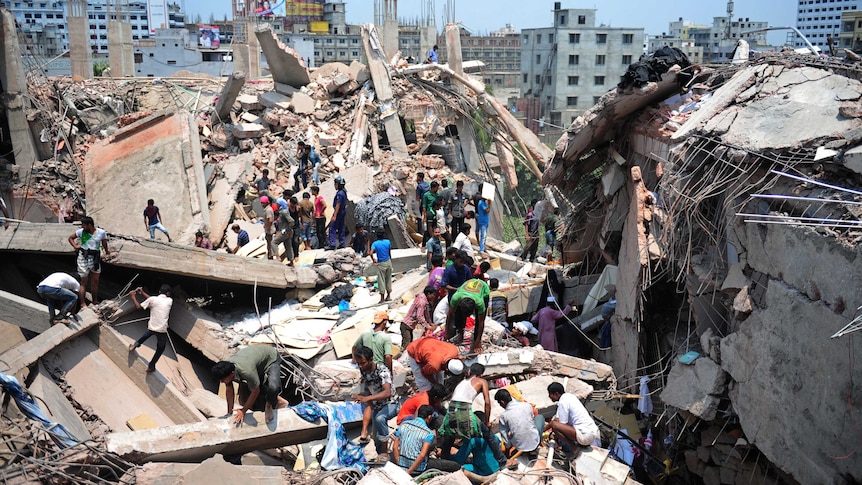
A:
851,31
569,66
500,51
820,20
718,46
44,29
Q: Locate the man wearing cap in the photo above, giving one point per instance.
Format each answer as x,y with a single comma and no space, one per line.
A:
429,357
546,321
268,228
378,340
522,330
160,308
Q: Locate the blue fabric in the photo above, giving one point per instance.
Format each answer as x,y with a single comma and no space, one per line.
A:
482,218
340,453
314,158
382,247
340,198
421,188
28,406
453,277
484,463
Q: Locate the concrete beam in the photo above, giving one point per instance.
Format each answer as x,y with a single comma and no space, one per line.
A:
140,253
283,62
22,356
195,327
15,101
197,441
383,89
212,471
228,95
163,394
23,312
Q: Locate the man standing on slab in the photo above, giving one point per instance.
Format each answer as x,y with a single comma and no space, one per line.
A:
160,309
88,241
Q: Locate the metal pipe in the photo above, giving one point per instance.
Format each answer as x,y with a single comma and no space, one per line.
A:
790,218
808,224
807,199
822,184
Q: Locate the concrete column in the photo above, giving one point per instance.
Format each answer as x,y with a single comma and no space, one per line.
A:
427,40
469,150
120,52
228,95
253,71
390,38
79,40
13,80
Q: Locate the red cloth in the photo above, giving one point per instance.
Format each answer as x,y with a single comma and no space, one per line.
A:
411,405
431,354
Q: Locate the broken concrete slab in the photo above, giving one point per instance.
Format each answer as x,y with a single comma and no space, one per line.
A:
223,194
209,404
228,95
244,131
302,104
160,157
23,312
383,89
200,330
273,99
249,102
284,64
56,406
213,471
198,441
358,72
285,89
695,388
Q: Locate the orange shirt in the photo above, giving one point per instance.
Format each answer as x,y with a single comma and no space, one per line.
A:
431,354
411,405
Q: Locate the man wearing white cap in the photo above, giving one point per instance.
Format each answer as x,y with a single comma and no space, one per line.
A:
522,330
546,320
428,357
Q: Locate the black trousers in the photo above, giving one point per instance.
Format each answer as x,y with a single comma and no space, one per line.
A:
320,230
161,343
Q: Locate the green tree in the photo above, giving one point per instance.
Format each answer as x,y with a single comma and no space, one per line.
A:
99,68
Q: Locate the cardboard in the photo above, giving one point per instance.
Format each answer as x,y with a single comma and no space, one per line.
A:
488,191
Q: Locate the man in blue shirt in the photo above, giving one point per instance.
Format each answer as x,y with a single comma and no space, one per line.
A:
153,220
456,274
314,160
336,223
483,218
380,254
432,55
242,237
412,444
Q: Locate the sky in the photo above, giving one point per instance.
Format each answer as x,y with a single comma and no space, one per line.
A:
484,16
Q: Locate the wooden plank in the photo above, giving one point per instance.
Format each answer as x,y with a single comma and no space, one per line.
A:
142,421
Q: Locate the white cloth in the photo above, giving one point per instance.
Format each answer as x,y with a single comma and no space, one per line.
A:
440,311
160,309
518,426
645,401
441,220
609,276
422,382
464,391
462,242
94,241
526,327
570,411
61,280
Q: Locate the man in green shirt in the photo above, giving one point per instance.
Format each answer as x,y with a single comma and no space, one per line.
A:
252,367
471,298
377,340
429,216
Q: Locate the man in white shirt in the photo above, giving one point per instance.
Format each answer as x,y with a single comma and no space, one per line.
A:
59,287
462,241
573,424
160,308
520,429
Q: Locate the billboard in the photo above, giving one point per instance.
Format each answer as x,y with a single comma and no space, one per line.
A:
208,36
267,8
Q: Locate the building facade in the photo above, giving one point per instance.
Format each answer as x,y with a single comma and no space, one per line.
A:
569,66
820,20
851,31
43,23
500,51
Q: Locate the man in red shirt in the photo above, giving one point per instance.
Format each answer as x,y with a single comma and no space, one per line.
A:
433,397
429,357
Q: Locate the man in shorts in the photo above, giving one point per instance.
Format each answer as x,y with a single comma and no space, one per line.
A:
89,241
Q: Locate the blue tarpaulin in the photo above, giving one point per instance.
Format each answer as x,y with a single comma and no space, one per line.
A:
340,453
30,409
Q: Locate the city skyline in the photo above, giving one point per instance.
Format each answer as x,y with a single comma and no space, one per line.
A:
652,15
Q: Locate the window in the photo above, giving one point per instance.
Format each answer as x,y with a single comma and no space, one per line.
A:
596,99
627,60
573,80
600,60
526,78
526,38
573,59
342,41
548,80
628,38
139,58
538,38
582,19
354,53
599,81
571,100
172,63
151,54
601,38
562,20
538,58
574,38
550,38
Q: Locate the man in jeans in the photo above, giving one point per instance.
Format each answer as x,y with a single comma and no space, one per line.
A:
153,220
483,219
379,402
160,308
62,288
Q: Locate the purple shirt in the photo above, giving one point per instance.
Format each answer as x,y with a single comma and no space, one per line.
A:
546,319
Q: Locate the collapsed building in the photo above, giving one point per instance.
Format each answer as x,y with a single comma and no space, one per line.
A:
720,203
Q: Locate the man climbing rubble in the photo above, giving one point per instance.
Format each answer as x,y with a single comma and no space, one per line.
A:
160,309
572,425
62,288
470,299
429,357
153,220
252,367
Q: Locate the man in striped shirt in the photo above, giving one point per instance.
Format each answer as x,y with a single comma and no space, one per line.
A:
412,444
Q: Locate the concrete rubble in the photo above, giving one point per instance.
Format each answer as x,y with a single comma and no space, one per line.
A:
715,206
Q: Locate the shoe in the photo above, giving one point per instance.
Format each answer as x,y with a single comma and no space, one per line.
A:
383,458
150,370
132,347
364,441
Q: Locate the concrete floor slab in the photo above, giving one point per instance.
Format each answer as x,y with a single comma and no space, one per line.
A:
56,406
23,312
158,157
